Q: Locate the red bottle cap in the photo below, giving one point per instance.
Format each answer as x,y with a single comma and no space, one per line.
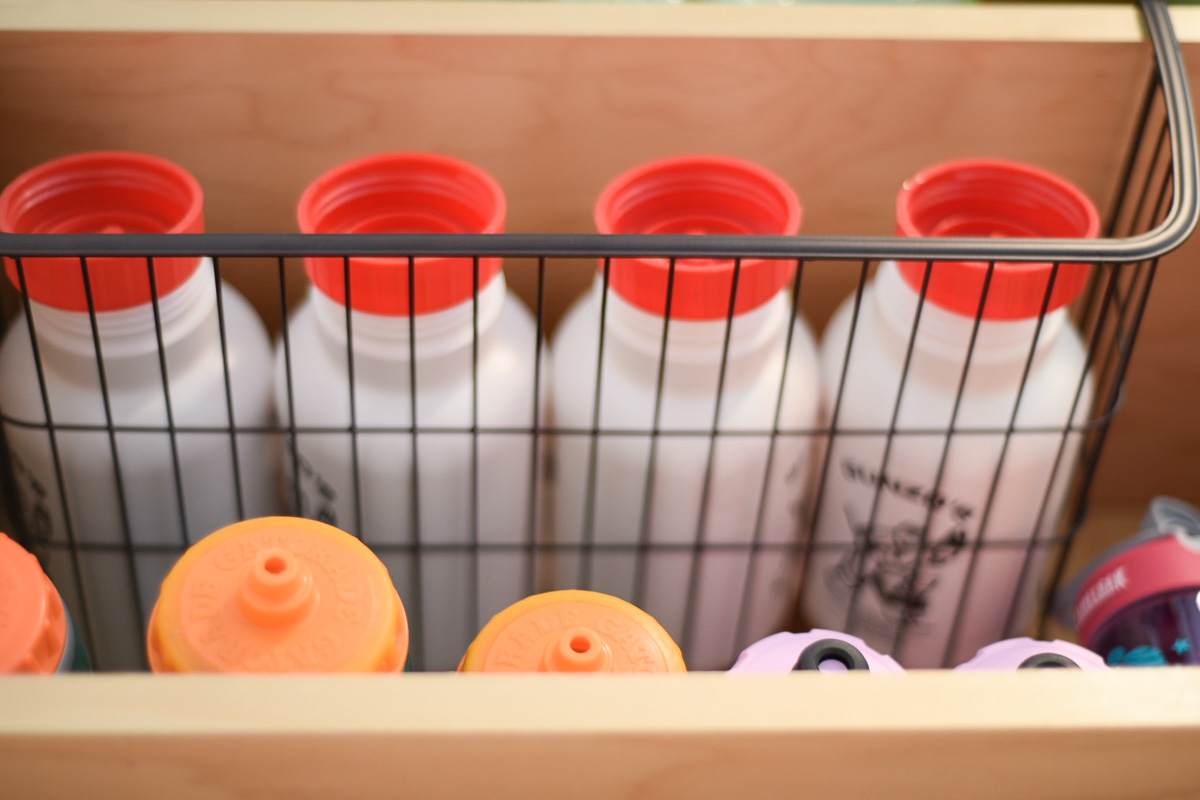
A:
104,192
33,624
698,195
982,197
402,193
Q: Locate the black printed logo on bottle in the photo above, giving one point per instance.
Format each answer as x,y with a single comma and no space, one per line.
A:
317,495
35,502
882,557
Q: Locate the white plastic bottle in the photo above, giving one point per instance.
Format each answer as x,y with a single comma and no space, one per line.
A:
364,482
874,547
696,518
165,491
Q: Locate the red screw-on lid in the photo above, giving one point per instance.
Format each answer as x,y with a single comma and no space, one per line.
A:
698,195
103,192
402,193
982,197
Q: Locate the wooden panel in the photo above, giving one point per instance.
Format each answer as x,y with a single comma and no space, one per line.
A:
1047,734
1049,22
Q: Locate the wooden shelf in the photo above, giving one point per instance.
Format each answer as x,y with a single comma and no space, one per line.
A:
1076,22
1128,735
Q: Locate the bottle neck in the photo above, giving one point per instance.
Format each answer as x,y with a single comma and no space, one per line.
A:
387,337
946,335
698,342
131,332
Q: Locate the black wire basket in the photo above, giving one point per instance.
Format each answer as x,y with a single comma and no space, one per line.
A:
1154,210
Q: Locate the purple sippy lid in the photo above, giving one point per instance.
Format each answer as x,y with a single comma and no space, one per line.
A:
1026,653
820,650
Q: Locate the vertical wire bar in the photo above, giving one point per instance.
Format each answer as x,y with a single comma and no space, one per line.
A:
1035,539
923,542
1121,194
89,633
8,483
172,433
417,621
643,541
473,587
985,516
1093,459
284,330
1122,300
1131,154
588,540
535,443
1089,359
233,443
1159,148
699,540
106,398
760,515
1060,562
890,437
354,463
834,416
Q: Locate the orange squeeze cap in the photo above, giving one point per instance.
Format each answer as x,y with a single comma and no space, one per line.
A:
573,631
278,594
33,623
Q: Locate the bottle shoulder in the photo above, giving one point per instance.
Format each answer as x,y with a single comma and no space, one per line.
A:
133,371
875,371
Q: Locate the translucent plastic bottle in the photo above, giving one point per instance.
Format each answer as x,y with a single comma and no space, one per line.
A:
36,630
449,491
864,574
697,501
278,594
573,631
139,484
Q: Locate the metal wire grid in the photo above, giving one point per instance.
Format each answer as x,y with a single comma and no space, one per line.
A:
1141,226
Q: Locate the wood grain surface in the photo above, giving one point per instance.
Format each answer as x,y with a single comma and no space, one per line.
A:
1128,735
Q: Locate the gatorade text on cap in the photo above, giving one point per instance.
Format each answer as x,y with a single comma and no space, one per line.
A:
35,632
818,650
573,631
278,594
692,195
102,192
1026,653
